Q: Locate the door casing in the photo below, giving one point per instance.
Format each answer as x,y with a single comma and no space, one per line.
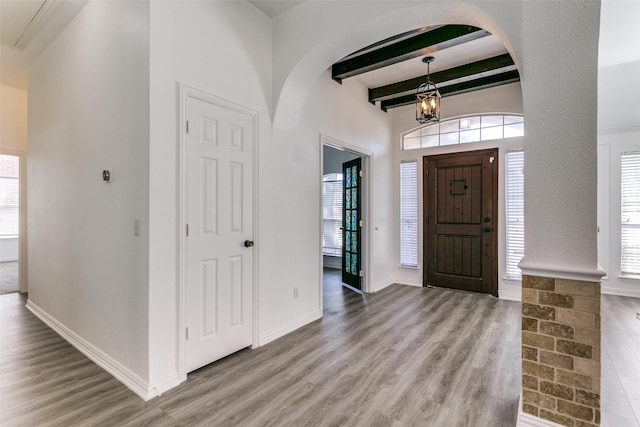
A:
366,207
184,92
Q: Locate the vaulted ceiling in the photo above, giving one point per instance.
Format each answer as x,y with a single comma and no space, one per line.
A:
467,59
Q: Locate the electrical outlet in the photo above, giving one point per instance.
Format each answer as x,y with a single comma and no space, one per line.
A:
295,292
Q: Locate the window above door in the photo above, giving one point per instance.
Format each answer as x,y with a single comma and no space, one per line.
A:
463,130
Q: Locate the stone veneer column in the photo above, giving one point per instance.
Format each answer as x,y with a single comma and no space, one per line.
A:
561,350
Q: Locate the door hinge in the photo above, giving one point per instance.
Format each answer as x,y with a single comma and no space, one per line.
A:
361,273
187,126
361,223
491,159
187,230
426,175
361,173
427,220
186,333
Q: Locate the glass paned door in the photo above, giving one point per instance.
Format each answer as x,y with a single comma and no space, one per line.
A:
351,223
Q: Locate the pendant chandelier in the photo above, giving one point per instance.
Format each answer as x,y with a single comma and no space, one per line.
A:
427,98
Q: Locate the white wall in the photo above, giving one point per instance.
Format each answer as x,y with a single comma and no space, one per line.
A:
610,147
13,119
618,132
501,99
293,258
223,48
619,97
13,140
89,111
555,91
559,83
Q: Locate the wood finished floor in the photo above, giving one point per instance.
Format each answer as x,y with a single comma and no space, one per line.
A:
405,356
620,361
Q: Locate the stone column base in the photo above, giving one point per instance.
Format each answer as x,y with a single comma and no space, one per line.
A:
561,350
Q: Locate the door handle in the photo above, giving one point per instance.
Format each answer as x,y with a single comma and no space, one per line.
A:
248,243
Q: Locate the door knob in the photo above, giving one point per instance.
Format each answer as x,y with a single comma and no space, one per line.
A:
487,219
248,243
487,229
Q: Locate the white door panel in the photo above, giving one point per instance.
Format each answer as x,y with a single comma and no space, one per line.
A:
219,213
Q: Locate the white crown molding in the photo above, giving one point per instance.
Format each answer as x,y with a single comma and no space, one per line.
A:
100,358
38,20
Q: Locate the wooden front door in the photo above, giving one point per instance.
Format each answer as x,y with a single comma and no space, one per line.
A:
460,214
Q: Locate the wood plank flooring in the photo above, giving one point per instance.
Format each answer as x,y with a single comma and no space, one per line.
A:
405,356
620,385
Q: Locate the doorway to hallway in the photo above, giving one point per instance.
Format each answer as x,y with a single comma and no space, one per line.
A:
11,171
343,214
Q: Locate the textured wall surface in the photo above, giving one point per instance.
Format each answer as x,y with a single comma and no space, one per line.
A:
561,350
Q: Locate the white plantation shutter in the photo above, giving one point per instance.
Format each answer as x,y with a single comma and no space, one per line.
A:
409,214
332,214
630,213
515,212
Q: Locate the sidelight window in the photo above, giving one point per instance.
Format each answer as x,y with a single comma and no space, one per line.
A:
409,214
515,212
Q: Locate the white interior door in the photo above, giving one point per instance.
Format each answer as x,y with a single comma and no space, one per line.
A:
219,214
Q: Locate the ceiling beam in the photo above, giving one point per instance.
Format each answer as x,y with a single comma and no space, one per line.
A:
422,44
457,89
394,90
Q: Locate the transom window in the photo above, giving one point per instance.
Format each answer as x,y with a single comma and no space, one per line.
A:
463,130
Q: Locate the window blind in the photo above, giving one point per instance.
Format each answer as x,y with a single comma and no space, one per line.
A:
515,212
409,214
332,214
630,213
9,195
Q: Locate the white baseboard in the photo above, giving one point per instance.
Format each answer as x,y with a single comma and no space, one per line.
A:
165,384
100,358
511,293
528,420
289,327
635,293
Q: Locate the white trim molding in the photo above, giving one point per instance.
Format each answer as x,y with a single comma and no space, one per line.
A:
510,293
621,292
123,374
528,420
583,275
289,327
